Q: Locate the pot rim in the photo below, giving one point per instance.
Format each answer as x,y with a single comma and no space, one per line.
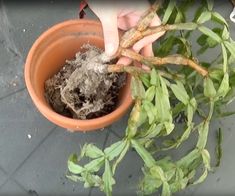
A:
49,112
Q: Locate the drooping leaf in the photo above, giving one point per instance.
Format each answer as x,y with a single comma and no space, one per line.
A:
166,189
114,150
206,159
94,165
150,93
219,138
73,166
153,77
144,154
203,133
93,151
137,88
210,4
201,178
108,179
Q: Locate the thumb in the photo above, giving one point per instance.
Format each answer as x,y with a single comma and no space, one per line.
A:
110,31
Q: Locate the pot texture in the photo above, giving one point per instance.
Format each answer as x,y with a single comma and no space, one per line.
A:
48,55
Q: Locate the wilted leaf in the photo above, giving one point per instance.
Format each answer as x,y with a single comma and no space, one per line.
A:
92,151
202,178
94,165
203,133
114,150
166,189
144,154
108,179
137,88
218,149
225,57
153,77
210,4
206,159
150,93
73,166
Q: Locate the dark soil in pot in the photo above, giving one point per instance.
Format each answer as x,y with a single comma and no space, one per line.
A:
82,89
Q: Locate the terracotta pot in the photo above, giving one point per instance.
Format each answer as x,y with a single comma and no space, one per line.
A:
48,55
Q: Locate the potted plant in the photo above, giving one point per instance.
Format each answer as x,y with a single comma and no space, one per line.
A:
49,54
179,90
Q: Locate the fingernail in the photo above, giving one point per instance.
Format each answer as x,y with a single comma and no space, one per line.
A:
110,49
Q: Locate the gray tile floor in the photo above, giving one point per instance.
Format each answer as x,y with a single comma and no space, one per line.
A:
34,152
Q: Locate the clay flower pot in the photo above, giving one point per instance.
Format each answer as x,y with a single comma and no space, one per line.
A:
48,55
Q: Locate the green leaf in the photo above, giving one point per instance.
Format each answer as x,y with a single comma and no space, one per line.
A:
73,166
203,133
230,47
121,156
166,189
209,33
144,154
191,108
74,178
209,89
204,17
185,135
180,92
168,11
137,88
225,58
202,177
185,26
169,127
114,150
225,33
187,160
92,151
210,4
153,77
224,86
108,179
94,165
206,159
202,40
219,138
158,172
218,18
152,132
150,93
145,78
149,108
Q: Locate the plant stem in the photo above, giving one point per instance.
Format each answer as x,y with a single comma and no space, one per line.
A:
171,59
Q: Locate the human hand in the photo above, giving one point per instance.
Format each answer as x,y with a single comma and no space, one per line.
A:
123,15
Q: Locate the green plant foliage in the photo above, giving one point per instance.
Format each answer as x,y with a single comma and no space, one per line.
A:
161,96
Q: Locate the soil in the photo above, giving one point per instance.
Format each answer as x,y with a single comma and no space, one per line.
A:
83,89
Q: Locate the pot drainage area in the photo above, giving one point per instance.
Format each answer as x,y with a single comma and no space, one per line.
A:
34,152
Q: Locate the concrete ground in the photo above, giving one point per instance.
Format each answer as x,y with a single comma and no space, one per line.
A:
34,152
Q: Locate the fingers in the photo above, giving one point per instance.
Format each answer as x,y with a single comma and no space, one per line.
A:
110,31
